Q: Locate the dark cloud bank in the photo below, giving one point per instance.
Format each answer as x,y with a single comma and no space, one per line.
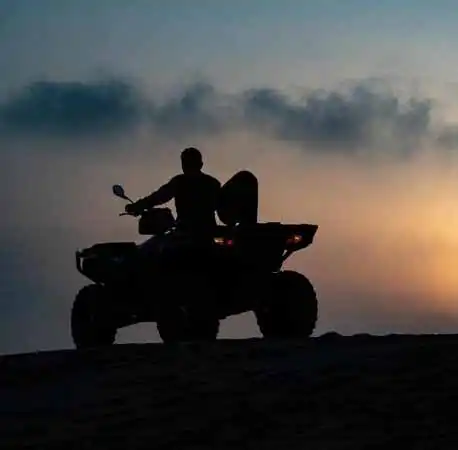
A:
352,120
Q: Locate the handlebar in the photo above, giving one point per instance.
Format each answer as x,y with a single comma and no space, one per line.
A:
129,214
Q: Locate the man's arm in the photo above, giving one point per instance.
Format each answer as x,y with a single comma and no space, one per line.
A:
164,194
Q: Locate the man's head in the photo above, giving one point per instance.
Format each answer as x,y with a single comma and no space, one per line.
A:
191,160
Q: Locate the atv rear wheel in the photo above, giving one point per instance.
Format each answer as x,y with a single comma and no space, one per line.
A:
180,324
89,325
189,314
289,309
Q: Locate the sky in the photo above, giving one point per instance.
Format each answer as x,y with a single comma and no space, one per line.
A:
346,111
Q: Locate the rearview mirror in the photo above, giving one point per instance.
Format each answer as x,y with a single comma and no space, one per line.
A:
118,190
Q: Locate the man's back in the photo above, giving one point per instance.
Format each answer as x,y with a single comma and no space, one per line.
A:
196,199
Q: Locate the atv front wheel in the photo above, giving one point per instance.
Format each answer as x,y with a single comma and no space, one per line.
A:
290,307
89,325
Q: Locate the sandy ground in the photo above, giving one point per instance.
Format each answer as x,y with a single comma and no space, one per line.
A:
330,392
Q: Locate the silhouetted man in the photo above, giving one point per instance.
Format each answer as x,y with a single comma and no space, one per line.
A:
195,192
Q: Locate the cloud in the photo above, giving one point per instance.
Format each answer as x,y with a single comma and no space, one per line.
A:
72,108
193,109
335,120
356,121
448,137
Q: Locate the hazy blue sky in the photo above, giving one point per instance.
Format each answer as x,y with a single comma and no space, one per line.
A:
347,110
232,43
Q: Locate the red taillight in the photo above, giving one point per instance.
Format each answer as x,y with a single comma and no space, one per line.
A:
294,239
223,241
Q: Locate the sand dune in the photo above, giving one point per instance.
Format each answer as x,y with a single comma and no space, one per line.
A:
330,392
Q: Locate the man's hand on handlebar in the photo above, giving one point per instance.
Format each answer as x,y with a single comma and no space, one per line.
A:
133,209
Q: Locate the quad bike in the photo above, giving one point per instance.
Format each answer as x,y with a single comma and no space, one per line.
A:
187,286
